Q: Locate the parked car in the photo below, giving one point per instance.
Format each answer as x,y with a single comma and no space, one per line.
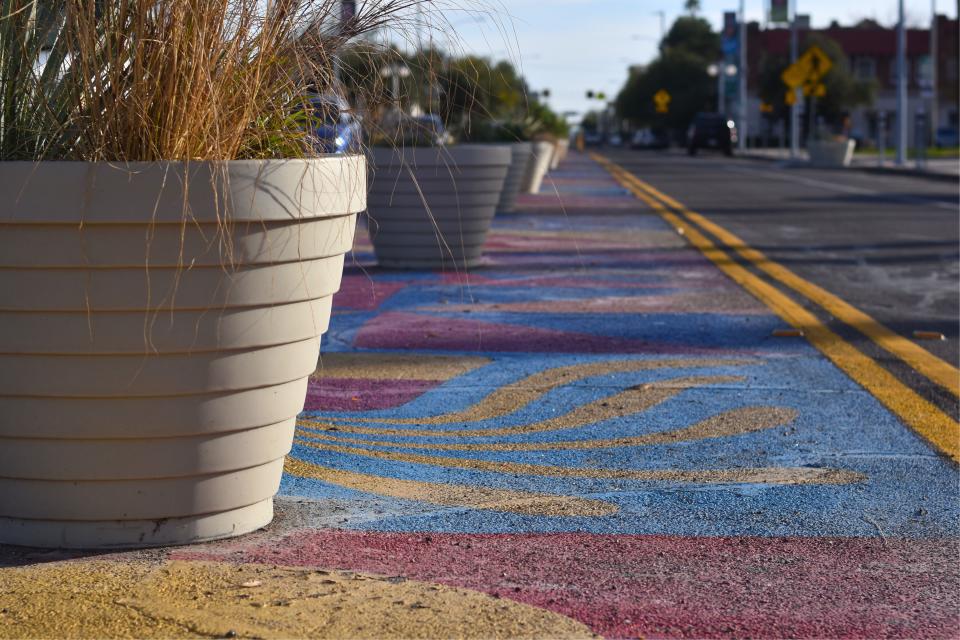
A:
333,125
648,138
947,137
615,140
431,128
711,131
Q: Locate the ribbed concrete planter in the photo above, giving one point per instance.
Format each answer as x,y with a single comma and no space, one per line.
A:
539,165
149,378
521,155
560,153
431,208
831,153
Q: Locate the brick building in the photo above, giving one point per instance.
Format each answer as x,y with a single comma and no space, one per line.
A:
872,54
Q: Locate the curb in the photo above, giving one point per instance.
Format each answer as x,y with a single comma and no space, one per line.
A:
890,171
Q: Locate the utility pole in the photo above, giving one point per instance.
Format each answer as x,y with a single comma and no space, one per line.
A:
901,159
742,116
797,95
934,110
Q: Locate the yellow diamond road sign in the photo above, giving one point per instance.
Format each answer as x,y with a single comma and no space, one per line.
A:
661,99
808,69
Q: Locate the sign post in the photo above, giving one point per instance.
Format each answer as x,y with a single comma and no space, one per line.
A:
794,107
805,75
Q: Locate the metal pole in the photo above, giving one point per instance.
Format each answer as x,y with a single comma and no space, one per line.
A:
742,115
934,107
722,89
795,107
882,137
902,123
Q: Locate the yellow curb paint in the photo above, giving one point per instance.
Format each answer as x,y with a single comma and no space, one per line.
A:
455,495
921,360
942,431
102,599
628,402
765,475
728,423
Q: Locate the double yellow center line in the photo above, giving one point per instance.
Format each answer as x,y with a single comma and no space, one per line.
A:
941,430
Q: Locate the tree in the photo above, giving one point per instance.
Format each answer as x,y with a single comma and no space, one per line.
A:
683,75
693,35
692,6
681,69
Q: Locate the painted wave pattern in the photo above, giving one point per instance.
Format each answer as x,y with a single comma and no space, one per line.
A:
424,450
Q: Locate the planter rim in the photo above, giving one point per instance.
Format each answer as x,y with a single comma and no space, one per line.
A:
71,192
454,155
146,163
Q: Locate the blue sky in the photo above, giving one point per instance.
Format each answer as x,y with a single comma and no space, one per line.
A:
571,46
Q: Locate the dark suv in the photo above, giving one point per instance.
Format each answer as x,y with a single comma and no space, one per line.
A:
711,131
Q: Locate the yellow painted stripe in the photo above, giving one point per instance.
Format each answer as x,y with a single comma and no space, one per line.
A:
942,431
921,360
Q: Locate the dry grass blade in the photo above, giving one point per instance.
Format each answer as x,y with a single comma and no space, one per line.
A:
127,80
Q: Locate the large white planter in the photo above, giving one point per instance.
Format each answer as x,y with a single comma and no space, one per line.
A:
151,369
560,149
542,156
431,207
831,153
521,155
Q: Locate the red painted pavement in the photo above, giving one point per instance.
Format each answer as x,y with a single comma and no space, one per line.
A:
356,394
658,586
397,330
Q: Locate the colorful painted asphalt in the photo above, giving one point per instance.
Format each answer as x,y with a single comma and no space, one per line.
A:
600,430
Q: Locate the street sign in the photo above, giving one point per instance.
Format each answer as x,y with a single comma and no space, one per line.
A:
779,11
808,69
729,37
661,100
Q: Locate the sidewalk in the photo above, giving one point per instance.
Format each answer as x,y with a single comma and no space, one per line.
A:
595,433
934,167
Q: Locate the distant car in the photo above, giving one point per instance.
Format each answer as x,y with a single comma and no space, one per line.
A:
333,126
947,137
711,131
648,138
592,138
615,140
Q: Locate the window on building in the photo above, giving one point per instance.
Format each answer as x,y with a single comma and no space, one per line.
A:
865,68
952,69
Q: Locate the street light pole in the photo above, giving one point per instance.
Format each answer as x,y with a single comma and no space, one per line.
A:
742,115
934,110
901,88
795,107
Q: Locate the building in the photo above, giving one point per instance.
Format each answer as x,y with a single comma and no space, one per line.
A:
872,55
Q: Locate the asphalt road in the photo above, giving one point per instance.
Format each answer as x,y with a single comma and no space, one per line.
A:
886,244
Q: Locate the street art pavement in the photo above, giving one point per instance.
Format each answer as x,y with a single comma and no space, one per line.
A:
595,433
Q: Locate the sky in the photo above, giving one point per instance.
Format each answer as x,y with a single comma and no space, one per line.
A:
572,46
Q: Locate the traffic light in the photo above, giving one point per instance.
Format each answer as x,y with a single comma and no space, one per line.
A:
589,95
545,93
